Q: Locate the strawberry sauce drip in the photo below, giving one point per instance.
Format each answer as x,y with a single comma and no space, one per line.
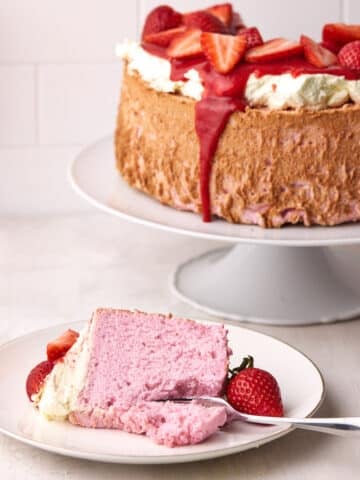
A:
225,94
211,116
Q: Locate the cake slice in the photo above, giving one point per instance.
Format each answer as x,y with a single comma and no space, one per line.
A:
124,362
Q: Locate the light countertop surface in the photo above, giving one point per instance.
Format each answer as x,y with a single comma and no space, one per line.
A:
58,269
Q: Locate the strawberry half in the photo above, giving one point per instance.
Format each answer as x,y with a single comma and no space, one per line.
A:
274,50
349,56
341,33
204,21
334,47
163,39
223,51
223,12
237,22
58,347
252,36
160,19
316,54
36,378
186,44
254,391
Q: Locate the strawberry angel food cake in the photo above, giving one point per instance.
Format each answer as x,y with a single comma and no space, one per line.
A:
215,120
114,374
126,368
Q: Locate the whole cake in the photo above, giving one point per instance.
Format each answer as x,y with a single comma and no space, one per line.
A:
114,374
214,120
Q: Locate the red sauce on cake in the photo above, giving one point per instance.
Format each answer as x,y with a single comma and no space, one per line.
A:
211,116
225,94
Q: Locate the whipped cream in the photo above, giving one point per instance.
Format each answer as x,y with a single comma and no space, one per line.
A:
284,91
66,380
278,92
156,71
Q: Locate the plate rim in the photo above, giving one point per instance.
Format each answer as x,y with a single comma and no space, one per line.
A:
72,178
161,459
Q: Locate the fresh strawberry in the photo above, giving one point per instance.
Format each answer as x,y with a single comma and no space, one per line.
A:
36,377
274,50
334,47
341,33
186,44
163,39
223,51
223,12
237,22
160,19
349,56
316,54
58,347
254,391
204,21
252,36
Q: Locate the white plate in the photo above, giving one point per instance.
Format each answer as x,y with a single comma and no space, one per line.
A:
300,381
94,177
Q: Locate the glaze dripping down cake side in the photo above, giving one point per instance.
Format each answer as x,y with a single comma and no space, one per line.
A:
270,168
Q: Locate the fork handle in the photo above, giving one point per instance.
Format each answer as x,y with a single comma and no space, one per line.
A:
349,426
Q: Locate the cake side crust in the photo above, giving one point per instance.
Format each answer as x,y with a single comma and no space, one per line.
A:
271,167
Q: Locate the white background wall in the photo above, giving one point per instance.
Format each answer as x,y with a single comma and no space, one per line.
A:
59,81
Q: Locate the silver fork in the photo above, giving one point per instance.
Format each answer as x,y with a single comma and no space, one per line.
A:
347,426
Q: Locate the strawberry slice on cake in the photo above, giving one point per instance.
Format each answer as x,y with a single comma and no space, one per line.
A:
316,54
223,12
275,49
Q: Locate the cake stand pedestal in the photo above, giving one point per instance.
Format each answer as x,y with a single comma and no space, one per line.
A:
282,276
267,284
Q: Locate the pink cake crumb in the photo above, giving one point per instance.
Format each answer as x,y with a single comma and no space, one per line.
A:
170,424
137,358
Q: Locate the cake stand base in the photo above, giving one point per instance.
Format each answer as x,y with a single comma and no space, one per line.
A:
268,285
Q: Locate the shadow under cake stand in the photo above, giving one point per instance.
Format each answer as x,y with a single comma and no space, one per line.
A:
288,276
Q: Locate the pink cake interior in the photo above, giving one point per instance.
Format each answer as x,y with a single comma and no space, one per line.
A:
137,358
167,423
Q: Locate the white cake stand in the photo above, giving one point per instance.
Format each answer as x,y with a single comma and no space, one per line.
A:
279,277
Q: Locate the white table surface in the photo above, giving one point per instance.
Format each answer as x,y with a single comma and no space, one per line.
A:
55,270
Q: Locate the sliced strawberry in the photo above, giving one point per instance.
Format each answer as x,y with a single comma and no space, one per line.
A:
58,347
187,44
223,51
204,21
334,47
274,50
160,19
237,22
36,377
252,36
316,54
349,56
341,33
163,39
223,12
